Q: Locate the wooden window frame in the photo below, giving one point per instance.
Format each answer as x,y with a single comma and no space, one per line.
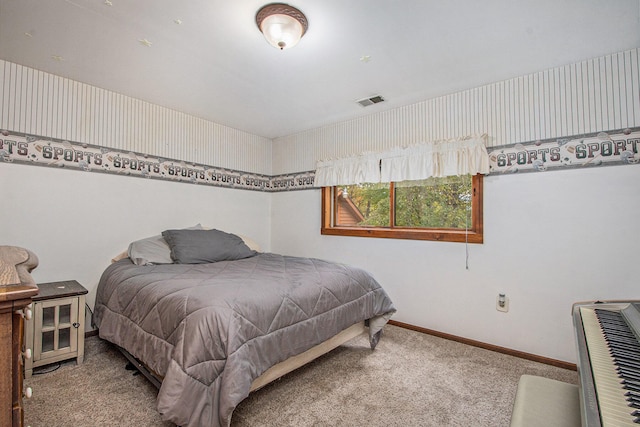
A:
474,234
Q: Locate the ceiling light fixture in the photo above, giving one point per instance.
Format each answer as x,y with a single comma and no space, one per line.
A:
282,25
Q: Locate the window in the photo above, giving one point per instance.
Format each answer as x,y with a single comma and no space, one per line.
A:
445,209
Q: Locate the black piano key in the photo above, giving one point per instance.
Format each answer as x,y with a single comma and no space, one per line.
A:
612,320
627,358
626,355
629,378
606,323
614,323
631,367
633,402
617,336
614,326
631,387
627,374
630,345
621,328
624,349
630,341
630,382
627,370
623,346
616,333
632,396
614,329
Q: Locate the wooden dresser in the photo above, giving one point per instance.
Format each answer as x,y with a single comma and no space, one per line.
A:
16,290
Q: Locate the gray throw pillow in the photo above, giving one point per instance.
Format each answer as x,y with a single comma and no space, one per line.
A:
204,246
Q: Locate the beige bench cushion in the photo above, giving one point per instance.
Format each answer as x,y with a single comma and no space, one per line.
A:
542,402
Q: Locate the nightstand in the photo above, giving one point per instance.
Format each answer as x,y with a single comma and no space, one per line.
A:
56,330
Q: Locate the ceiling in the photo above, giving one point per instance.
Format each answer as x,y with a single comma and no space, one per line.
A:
207,58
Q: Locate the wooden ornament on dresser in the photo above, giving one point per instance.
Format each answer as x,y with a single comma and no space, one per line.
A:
16,290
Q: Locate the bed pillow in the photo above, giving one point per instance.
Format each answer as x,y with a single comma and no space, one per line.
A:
253,245
205,246
121,255
153,250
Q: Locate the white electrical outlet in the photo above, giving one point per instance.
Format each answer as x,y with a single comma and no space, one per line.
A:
502,303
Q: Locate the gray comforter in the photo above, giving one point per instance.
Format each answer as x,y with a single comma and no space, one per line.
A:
211,329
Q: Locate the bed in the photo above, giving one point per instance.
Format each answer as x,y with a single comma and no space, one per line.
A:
222,319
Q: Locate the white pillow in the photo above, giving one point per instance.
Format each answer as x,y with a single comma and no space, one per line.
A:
252,244
121,255
152,250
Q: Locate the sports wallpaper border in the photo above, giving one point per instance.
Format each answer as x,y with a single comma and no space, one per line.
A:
610,148
606,148
40,151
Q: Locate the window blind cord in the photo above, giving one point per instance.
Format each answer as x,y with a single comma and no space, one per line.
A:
466,248
466,239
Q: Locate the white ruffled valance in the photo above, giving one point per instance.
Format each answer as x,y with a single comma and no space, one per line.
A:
352,170
466,156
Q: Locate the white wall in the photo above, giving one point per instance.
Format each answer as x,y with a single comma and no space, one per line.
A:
75,222
551,239
42,104
595,95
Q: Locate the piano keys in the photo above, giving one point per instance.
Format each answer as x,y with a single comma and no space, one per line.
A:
608,344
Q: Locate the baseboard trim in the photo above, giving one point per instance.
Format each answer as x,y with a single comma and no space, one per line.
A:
474,343
486,346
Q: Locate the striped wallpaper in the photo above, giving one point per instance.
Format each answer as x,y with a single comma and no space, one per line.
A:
596,95
39,103
599,94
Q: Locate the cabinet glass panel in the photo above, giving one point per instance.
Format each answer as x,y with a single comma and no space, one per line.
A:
48,316
65,314
47,341
55,338
64,338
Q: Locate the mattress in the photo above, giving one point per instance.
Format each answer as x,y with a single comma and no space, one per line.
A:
211,329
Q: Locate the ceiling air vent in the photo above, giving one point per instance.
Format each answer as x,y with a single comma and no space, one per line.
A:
370,101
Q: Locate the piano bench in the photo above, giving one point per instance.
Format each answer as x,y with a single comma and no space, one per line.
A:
544,402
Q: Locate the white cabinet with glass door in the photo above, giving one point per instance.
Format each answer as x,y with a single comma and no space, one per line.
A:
56,331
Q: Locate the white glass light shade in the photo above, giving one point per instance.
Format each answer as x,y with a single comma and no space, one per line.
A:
281,31
282,25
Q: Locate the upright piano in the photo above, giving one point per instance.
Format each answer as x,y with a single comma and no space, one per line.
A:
608,342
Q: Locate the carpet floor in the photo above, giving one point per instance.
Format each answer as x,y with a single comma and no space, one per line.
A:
410,379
